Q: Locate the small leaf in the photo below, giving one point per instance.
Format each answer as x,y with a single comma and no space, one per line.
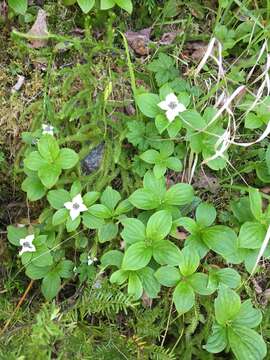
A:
50,285
159,225
110,198
137,256
67,158
147,103
179,194
166,253
34,188
106,4
255,203
248,316
119,277
86,5
60,216
183,298
34,161
57,198
134,231
125,4
36,272
251,235
91,221
150,156
48,148
227,305
189,261
112,258
168,275
65,269
144,199
134,285
15,234
200,284
72,225
19,6
100,211
205,214
217,342
90,198
49,174
107,232
149,282
246,343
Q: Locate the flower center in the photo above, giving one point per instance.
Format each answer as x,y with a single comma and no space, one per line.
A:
172,105
76,206
47,128
26,244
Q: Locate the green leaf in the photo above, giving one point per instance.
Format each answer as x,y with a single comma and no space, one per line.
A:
112,258
100,211
91,221
193,120
119,277
200,284
50,285
267,158
60,216
166,253
110,198
106,4
217,342
144,199
150,156
251,235
227,305
15,234
137,256
189,261
246,343
205,214
179,194
76,188
183,298
90,198
229,277
36,272
147,103
123,207
174,128
65,269
168,275
34,161
161,123
57,198
223,241
134,285
19,6
67,158
159,170
149,282
159,225
134,231
73,225
49,174
48,148
42,257
34,188
255,203
154,185
125,4
107,232
248,316
174,164
86,5
252,121
188,224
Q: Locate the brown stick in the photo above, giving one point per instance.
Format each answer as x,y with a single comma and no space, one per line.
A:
17,307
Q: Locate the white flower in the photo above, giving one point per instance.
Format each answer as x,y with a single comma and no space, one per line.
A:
47,129
172,106
27,244
90,260
75,206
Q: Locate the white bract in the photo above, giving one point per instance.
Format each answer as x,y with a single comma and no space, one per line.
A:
47,129
172,106
27,244
75,206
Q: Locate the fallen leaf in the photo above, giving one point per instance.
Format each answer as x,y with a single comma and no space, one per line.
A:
206,181
146,300
139,40
195,49
39,29
167,38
